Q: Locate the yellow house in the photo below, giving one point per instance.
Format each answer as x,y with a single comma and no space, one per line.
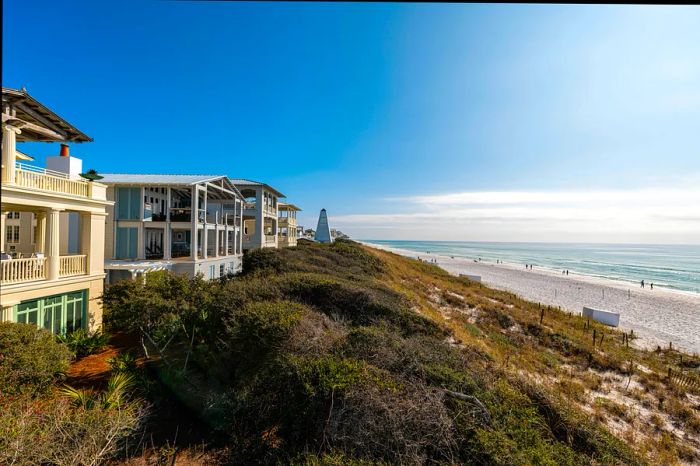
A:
53,224
287,221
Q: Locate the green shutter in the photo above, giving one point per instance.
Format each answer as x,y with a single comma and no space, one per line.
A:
127,243
133,242
128,203
135,204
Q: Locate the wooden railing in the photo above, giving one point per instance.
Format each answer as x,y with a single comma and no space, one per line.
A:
45,180
22,270
72,265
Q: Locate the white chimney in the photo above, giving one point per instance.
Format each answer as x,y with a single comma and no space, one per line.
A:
65,163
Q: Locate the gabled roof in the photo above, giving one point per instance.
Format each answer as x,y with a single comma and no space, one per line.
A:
22,156
242,182
37,121
287,206
138,178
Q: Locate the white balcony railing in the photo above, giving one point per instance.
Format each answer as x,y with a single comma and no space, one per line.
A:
29,176
270,238
22,270
72,265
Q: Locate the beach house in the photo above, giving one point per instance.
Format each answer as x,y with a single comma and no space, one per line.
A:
52,223
287,225
260,214
187,224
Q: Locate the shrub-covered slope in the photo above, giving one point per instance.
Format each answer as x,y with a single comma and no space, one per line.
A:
332,354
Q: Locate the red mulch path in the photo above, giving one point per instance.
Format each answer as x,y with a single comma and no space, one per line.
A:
93,371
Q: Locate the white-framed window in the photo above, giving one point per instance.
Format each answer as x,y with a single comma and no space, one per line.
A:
212,271
12,233
222,270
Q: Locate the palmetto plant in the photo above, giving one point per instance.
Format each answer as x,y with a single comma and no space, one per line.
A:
114,396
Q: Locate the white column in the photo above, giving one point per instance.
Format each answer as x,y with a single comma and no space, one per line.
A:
167,241
86,238
240,233
216,240
141,242
205,232
40,240
9,157
53,243
168,206
3,217
195,227
226,232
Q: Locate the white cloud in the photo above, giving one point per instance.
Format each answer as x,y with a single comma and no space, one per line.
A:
644,215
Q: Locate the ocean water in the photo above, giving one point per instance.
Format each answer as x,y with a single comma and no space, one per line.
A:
671,266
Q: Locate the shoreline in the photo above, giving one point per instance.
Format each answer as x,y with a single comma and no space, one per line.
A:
657,316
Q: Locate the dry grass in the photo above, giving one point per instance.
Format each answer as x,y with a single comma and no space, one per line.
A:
625,388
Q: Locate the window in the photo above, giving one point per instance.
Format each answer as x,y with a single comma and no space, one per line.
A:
60,314
12,215
221,270
128,203
12,233
212,270
127,243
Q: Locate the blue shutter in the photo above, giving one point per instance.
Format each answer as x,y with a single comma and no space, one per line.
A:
122,203
135,204
122,243
133,242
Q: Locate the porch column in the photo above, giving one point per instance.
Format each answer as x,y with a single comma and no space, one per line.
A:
40,239
226,232
168,205
205,231
167,241
9,157
195,228
53,243
216,240
3,217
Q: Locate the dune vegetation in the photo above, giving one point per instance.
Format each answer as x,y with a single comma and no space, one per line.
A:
343,354
329,354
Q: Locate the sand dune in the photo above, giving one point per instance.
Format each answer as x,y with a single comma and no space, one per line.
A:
658,316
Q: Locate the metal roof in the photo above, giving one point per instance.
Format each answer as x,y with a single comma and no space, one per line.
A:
38,122
137,178
243,182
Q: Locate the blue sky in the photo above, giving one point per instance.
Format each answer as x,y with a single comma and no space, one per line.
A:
406,121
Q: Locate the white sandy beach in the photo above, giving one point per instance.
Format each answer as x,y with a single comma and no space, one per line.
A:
658,316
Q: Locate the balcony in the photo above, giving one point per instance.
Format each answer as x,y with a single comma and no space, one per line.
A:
22,270
270,238
72,265
33,269
41,179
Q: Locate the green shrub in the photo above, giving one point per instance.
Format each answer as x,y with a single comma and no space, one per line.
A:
122,362
262,260
59,430
83,343
31,359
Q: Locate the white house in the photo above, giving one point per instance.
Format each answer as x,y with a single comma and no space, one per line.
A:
184,223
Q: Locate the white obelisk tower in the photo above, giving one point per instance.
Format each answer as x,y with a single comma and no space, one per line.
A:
323,231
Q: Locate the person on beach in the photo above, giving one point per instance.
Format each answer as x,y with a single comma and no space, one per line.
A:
642,283
651,286
567,272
